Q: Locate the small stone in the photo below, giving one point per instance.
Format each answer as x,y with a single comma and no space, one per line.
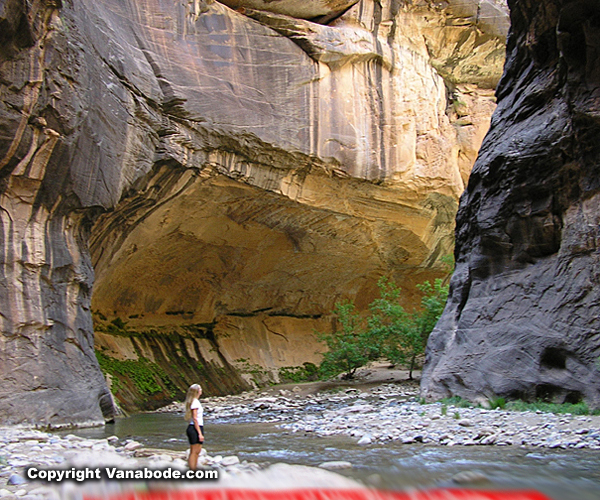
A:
488,440
335,465
365,440
15,479
231,460
470,477
132,445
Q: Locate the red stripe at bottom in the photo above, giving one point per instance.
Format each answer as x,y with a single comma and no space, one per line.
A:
323,494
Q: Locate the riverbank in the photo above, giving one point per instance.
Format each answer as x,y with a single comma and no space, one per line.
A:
23,448
382,406
373,414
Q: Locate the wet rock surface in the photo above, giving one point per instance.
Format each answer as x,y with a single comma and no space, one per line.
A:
372,417
523,316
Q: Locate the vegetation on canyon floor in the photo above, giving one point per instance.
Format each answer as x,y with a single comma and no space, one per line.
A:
389,331
580,408
308,372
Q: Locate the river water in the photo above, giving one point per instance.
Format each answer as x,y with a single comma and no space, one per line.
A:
560,474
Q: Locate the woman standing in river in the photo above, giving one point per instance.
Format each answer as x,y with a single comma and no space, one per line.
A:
195,429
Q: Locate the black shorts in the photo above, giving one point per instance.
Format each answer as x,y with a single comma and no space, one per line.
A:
193,436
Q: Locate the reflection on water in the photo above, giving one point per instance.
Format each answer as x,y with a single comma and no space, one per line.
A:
560,474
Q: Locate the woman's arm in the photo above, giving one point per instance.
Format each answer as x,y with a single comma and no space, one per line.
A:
196,425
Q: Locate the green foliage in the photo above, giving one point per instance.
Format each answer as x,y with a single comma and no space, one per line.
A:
457,401
497,403
518,405
306,372
574,409
350,346
444,410
144,374
388,332
403,335
456,415
259,375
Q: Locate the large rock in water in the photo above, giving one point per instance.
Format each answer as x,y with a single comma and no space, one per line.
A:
523,319
233,177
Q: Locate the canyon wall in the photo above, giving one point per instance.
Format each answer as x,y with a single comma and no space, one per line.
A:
226,175
523,318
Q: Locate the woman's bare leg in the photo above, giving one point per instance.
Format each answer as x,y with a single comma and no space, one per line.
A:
195,450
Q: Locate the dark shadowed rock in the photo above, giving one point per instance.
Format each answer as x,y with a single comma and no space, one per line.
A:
523,318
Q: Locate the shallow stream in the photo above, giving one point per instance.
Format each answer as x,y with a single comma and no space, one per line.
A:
560,474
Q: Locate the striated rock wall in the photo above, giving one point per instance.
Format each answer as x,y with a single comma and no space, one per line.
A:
48,371
523,317
273,228
229,168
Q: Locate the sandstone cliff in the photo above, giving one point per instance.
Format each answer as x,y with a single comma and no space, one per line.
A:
234,172
523,319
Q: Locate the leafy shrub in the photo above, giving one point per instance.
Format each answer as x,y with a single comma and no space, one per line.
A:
402,335
497,403
389,331
305,373
350,346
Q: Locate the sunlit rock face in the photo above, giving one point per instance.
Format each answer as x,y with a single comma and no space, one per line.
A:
234,173
303,9
523,317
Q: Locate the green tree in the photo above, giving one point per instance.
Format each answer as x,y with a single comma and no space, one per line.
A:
390,331
402,336
350,345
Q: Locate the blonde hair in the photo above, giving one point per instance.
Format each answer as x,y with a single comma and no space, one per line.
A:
192,393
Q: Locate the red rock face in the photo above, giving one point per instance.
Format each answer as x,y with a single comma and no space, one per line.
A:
523,319
249,174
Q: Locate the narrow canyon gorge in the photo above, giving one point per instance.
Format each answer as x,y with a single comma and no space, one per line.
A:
188,187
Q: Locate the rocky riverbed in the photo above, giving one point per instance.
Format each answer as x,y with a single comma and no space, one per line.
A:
392,412
22,448
373,415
